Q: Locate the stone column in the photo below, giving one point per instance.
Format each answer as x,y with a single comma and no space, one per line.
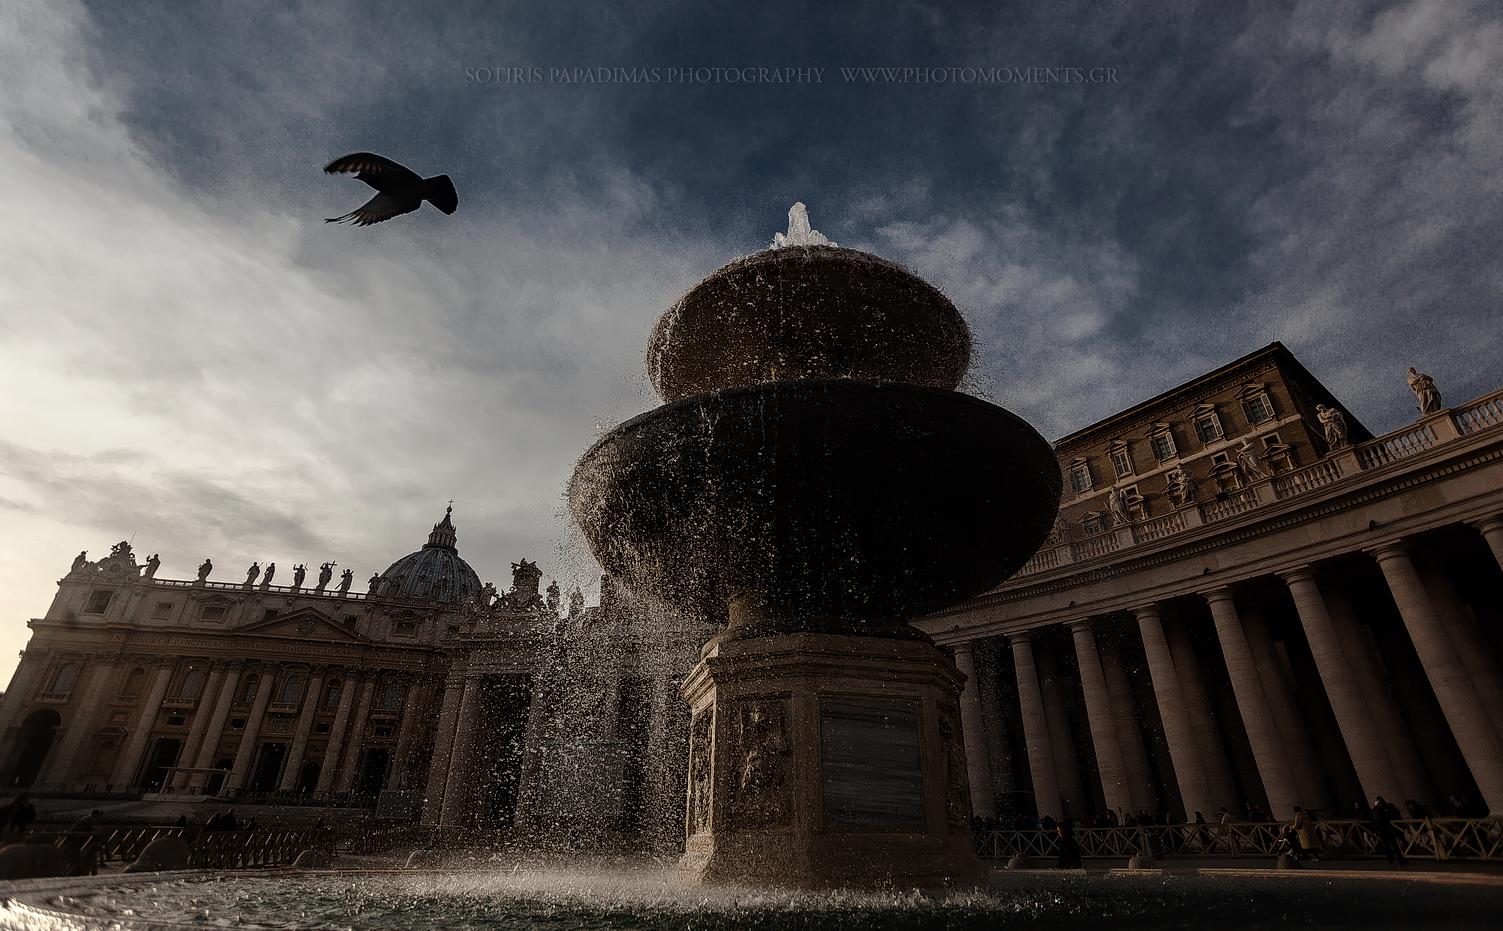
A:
1275,677
357,738
1073,798
1046,797
1109,760
973,731
456,791
1475,653
86,711
1252,702
1363,738
1188,772
130,761
1129,728
240,770
443,749
210,745
1470,722
414,703
330,769
303,730
1214,761
1491,529
201,715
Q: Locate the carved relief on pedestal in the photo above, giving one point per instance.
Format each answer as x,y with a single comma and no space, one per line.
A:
760,791
957,779
701,742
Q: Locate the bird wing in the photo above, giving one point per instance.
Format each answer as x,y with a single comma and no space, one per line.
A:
378,208
375,170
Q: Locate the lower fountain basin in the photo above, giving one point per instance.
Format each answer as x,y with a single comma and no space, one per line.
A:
831,505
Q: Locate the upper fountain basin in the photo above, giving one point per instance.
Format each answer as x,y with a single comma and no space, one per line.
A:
803,313
832,503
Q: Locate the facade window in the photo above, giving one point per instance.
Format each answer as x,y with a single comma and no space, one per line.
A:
383,732
1162,446
133,683
192,682
1080,479
292,690
162,612
176,720
213,613
405,629
248,690
321,727
1208,427
99,602
1258,408
237,724
62,683
331,695
391,696
1092,523
269,614
1122,462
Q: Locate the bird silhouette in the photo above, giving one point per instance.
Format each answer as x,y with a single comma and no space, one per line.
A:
401,190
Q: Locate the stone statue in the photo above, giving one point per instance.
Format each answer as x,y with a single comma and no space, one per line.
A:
1183,486
1247,462
1425,391
121,550
1118,506
799,233
271,570
205,569
375,580
151,566
553,596
524,586
299,572
79,561
576,603
325,573
346,579
1335,425
488,595
251,574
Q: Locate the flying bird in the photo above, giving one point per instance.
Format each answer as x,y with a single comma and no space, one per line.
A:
401,190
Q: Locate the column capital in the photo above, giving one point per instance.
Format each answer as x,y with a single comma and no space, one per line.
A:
1153,610
1021,636
1297,574
1488,524
1386,551
1218,594
1087,624
963,646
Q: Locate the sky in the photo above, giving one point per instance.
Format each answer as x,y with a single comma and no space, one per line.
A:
1118,196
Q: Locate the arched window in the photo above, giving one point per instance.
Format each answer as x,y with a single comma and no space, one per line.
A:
292,690
391,696
62,683
331,694
192,682
248,691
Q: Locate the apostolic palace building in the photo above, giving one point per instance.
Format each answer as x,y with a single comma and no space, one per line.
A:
1247,600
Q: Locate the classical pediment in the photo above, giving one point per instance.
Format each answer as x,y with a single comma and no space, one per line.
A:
304,624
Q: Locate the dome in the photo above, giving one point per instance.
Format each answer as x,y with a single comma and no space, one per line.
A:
435,572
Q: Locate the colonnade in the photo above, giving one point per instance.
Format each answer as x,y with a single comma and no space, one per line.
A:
1378,679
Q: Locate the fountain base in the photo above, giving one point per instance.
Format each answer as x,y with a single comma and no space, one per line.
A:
822,761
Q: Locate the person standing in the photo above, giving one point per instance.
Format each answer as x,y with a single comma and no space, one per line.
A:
1304,831
1383,815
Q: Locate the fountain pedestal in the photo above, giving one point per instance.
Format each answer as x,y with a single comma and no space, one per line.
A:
823,760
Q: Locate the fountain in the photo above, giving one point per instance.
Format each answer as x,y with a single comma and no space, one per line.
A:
815,481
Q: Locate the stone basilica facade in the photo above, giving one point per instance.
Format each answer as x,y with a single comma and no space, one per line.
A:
449,700
1247,600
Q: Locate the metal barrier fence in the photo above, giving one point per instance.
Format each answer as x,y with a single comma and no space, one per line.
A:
1422,839
220,850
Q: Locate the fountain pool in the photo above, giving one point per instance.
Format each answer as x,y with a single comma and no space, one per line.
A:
582,899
